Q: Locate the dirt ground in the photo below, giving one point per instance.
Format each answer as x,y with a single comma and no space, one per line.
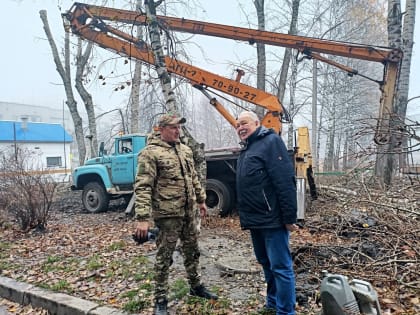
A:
96,259
227,261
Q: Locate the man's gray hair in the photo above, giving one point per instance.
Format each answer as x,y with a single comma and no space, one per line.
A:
250,114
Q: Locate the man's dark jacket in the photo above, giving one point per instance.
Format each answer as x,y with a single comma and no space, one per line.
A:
265,182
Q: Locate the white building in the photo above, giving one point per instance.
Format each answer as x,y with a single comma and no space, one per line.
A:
47,145
35,113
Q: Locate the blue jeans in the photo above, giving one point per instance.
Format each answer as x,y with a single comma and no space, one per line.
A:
271,248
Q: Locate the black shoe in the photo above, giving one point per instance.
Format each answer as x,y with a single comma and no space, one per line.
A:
201,291
161,307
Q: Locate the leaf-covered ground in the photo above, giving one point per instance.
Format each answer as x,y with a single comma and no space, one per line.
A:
93,256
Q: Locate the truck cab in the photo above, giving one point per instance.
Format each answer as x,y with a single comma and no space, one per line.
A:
109,176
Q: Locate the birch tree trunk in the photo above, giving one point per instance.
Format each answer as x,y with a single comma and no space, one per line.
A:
314,132
318,138
288,52
135,99
292,106
403,84
134,103
156,45
395,40
82,59
65,74
385,160
169,95
261,58
329,155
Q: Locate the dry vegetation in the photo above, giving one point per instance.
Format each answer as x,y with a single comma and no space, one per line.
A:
353,229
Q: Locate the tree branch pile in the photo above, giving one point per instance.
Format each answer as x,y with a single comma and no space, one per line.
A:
366,234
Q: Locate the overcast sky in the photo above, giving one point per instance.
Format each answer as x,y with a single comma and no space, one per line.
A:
28,73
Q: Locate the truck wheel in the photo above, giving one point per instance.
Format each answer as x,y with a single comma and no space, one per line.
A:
95,199
219,196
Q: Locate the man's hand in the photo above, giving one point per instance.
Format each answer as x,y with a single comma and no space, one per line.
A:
203,209
292,227
142,228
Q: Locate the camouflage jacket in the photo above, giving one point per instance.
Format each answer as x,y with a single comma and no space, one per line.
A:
166,184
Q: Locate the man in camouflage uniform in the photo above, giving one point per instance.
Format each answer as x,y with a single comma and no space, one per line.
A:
167,190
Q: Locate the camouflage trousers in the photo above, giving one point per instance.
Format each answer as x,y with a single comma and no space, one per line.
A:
170,230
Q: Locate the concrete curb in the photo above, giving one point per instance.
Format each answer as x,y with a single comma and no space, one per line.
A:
54,302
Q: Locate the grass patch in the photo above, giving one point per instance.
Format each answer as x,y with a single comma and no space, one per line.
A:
179,288
126,272
119,268
4,250
94,262
110,273
43,285
56,263
130,294
144,291
115,264
200,305
140,260
5,265
116,268
117,246
223,302
144,275
61,285
71,264
136,305
197,305
51,264
53,259
146,286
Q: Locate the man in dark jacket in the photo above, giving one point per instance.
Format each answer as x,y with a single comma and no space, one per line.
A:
266,189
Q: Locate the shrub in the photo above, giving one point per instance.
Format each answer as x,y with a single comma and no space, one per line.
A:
26,191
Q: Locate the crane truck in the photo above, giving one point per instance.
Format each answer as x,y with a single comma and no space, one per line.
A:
96,24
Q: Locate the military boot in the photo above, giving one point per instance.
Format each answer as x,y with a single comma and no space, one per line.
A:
201,291
161,307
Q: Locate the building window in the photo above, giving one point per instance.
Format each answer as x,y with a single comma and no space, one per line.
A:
53,161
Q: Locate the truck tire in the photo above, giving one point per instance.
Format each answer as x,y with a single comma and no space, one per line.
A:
94,197
219,196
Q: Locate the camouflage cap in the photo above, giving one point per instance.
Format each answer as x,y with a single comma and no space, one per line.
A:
170,119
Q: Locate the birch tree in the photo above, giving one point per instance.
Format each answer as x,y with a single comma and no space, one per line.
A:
82,59
288,52
354,98
64,71
402,96
261,58
385,160
156,45
261,62
134,101
402,38
168,91
293,78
